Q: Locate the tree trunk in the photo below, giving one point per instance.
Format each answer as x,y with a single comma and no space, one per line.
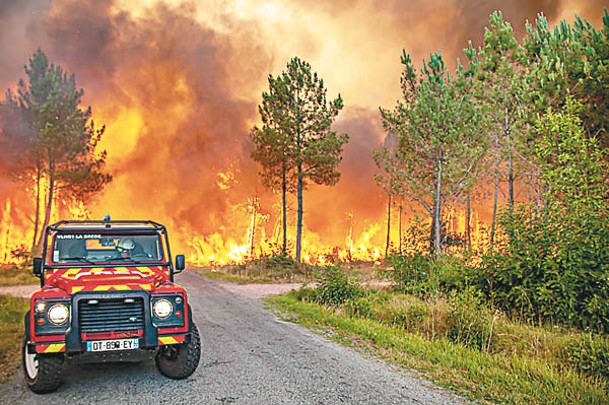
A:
468,220
49,207
510,163
253,231
400,228
299,221
438,207
388,225
37,210
495,202
284,191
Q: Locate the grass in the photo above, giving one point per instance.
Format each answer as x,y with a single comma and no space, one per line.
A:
12,310
11,275
528,371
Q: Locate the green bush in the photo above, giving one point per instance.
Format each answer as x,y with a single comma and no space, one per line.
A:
551,271
555,266
335,288
305,294
421,274
413,273
471,321
360,307
589,354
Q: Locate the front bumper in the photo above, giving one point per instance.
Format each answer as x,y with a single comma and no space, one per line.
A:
105,316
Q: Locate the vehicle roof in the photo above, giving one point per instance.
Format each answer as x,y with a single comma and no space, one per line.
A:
93,225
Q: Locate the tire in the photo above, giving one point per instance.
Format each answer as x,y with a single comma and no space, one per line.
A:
180,361
42,372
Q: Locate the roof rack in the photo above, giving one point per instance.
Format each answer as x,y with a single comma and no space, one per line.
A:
106,224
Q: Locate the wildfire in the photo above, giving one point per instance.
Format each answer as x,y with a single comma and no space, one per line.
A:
177,85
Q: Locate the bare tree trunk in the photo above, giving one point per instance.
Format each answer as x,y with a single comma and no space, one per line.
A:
400,228
438,207
468,220
388,240
299,221
284,191
49,206
253,230
37,210
495,201
510,163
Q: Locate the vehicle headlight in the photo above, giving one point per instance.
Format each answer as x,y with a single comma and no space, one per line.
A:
162,308
58,314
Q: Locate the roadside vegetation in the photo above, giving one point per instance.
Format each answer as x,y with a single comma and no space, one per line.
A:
455,337
12,310
15,275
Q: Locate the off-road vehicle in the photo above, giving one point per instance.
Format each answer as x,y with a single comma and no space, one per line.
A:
107,294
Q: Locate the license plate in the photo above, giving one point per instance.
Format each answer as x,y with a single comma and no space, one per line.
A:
115,344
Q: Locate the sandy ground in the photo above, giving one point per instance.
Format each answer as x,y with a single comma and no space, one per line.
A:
24,291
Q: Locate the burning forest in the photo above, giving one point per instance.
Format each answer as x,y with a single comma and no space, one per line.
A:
177,86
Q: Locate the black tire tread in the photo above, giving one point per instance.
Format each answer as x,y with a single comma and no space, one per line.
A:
49,373
187,361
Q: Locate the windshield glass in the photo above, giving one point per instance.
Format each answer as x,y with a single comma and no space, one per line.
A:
87,247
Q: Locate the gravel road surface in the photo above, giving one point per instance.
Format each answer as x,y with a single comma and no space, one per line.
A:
249,357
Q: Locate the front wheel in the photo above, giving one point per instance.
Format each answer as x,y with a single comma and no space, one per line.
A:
42,371
180,361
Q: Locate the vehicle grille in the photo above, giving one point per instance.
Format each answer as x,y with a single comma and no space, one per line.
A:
111,315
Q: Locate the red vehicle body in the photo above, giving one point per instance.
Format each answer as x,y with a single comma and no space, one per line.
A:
107,293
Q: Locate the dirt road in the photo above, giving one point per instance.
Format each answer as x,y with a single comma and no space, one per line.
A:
249,357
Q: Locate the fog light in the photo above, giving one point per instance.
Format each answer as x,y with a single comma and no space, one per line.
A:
40,307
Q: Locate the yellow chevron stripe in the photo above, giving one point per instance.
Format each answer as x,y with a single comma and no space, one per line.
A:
167,340
118,287
55,348
77,288
71,272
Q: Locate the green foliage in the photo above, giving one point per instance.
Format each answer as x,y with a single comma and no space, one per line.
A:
471,320
54,138
439,142
413,273
335,288
588,353
420,274
554,268
295,145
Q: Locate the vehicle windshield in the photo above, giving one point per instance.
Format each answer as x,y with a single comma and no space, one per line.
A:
86,247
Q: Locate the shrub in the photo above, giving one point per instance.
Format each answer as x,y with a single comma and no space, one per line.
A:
335,288
588,353
420,274
358,307
413,273
471,321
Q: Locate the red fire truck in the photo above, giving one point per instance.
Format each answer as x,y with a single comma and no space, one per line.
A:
107,294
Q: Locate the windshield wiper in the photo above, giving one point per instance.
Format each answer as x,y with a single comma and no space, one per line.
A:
80,259
126,259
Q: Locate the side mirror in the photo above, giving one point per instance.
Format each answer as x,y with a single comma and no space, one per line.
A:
38,266
180,263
